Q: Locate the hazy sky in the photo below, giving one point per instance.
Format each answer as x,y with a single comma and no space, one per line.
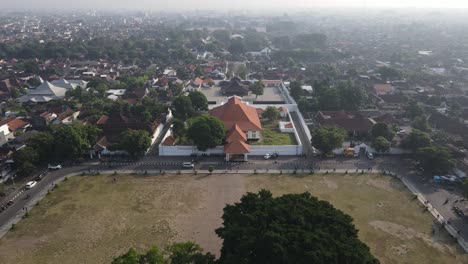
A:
220,4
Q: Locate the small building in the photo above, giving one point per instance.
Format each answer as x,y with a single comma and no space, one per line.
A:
352,122
235,87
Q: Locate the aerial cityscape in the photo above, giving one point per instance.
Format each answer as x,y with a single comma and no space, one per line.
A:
223,132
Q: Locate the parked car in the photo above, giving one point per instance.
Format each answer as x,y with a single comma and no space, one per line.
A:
54,167
30,184
267,156
370,155
188,165
402,132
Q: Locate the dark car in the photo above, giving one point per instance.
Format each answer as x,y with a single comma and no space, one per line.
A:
41,176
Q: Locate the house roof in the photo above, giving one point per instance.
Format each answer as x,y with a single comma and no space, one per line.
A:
234,111
236,134
16,124
169,141
101,144
289,125
234,86
349,121
383,88
394,98
236,147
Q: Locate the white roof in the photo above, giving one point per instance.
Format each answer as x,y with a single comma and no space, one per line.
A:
47,91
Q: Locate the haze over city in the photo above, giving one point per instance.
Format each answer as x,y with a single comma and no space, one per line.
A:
225,4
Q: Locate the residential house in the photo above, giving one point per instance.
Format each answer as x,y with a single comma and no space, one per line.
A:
236,112
381,89
352,122
10,126
234,87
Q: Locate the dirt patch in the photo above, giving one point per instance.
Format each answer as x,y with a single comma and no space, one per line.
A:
400,250
405,233
200,223
330,184
381,184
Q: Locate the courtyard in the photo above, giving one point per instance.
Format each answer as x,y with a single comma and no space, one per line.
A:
270,94
95,218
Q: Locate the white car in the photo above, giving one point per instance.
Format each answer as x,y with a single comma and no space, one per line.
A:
370,155
188,165
267,156
54,167
30,184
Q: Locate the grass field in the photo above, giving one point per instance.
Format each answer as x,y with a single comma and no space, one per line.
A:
271,135
92,219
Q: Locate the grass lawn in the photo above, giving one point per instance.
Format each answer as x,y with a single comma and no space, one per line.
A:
91,219
271,135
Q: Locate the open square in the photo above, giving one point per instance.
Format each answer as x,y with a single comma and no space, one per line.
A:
94,219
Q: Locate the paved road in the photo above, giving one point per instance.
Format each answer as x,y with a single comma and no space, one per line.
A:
435,194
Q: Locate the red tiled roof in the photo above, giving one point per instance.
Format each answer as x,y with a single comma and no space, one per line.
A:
169,141
16,124
383,88
236,112
236,147
288,125
102,120
236,134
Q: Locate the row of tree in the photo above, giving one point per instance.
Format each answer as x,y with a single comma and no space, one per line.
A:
58,143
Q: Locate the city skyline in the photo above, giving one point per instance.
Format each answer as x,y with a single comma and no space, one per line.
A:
224,4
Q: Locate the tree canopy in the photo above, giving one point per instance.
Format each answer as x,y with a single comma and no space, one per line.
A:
435,160
416,139
382,130
199,101
381,144
257,88
293,228
135,142
327,138
177,253
272,113
206,132
183,107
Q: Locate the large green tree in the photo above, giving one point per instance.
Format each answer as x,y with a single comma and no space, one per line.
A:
206,132
135,142
413,109
199,101
293,228
435,160
327,138
421,124
177,253
272,113
381,144
382,130
416,139
183,107
24,161
257,88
